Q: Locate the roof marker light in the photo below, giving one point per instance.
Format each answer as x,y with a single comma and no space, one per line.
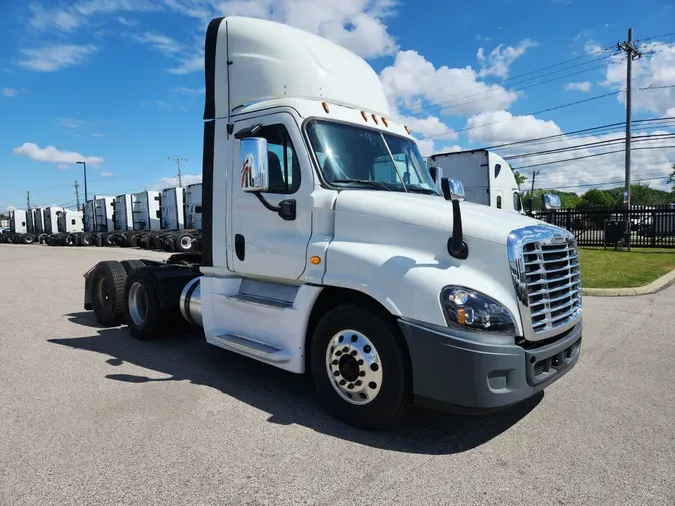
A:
384,120
374,118
365,116
325,106
407,129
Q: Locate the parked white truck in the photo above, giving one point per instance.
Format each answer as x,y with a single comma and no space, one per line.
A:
387,292
487,178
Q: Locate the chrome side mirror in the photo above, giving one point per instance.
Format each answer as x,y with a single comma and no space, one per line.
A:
453,189
437,174
550,201
253,164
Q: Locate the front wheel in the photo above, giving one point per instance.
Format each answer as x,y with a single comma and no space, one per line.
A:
360,367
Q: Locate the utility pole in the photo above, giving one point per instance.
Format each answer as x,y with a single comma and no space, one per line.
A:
632,54
86,197
534,173
77,195
28,199
178,160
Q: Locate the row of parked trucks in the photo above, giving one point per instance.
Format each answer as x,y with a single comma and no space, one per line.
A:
169,219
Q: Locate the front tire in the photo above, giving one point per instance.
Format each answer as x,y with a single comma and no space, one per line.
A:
360,367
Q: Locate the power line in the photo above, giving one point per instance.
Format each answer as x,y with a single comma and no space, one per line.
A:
596,144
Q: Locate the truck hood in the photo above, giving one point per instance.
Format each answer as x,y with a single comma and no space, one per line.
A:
478,221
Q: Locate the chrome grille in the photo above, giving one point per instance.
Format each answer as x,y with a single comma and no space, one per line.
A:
553,283
545,270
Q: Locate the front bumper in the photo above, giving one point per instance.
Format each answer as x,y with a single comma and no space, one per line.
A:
456,374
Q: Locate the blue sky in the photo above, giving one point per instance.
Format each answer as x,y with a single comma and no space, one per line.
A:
119,83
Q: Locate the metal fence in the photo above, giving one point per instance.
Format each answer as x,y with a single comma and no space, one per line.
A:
650,226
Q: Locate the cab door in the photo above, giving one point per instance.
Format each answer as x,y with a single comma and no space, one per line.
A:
261,243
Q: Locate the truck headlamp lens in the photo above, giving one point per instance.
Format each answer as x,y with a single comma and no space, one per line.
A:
465,309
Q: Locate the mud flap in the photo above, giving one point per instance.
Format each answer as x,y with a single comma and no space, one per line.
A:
87,289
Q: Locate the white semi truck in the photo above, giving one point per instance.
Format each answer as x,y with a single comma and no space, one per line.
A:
315,260
487,178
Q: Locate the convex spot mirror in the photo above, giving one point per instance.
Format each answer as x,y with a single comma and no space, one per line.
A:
253,165
550,201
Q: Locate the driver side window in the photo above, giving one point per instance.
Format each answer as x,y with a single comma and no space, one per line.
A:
282,161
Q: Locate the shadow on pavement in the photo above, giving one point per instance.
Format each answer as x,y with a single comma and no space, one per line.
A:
288,397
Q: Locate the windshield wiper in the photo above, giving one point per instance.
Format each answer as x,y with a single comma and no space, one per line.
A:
363,181
428,191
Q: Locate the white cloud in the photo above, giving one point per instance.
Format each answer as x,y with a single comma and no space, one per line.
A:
126,22
63,166
455,91
592,47
497,127
188,91
430,126
359,25
69,17
13,92
52,155
164,44
498,61
71,122
656,71
97,134
584,86
106,174
170,182
51,58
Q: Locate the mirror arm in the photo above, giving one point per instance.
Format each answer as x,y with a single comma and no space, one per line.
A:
456,245
285,209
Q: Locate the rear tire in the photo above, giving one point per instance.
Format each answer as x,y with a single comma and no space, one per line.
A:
360,367
28,239
130,265
107,292
143,314
184,243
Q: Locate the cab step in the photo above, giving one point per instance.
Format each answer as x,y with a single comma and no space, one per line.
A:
252,348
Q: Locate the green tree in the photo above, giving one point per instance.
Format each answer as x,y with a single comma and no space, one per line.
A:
520,179
597,198
671,179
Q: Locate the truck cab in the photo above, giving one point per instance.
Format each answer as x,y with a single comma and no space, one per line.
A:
329,249
487,178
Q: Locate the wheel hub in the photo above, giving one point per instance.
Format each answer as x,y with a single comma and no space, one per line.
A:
353,366
138,303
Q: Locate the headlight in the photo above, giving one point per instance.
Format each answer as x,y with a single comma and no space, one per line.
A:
465,309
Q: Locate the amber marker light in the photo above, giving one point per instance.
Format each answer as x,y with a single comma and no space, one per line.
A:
315,260
364,116
384,120
406,129
374,118
325,107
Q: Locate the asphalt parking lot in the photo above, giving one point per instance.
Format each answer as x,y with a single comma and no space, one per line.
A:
92,416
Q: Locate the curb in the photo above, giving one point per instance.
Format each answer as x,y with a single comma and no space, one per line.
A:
652,287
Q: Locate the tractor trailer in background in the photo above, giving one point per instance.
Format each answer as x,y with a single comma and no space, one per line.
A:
487,178
389,293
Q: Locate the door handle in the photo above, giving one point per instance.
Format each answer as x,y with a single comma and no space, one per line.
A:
240,246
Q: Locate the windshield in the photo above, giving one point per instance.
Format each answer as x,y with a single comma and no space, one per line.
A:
354,156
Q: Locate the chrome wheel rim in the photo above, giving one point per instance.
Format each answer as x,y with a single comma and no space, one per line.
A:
186,242
138,303
353,366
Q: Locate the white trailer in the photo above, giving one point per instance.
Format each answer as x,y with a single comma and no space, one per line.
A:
147,212
89,222
387,293
18,228
193,206
38,219
50,218
487,178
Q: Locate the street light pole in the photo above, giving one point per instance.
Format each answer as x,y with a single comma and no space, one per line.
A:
85,181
